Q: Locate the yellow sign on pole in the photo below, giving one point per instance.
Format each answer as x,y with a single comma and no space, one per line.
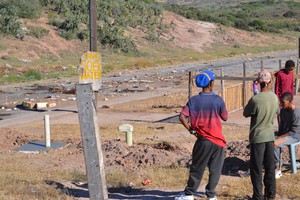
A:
91,69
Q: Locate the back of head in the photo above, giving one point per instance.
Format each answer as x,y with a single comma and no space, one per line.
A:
204,78
264,77
286,96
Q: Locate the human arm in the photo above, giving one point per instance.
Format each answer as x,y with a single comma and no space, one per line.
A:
292,84
249,109
277,85
184,120
283,135
223,111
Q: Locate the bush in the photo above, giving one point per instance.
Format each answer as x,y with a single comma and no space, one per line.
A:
258,25
289,14
24,8
9,23
37,32
83,35
33,74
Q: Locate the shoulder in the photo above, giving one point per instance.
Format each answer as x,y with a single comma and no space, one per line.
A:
218,97
279,73
296,112
271,94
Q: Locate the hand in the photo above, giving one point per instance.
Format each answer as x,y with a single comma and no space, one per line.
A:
193,132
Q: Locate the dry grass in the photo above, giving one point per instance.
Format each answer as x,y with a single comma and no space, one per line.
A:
168,103
236,132
24,178
233,187
29,182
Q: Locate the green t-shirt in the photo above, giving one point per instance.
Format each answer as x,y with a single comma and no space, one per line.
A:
262,109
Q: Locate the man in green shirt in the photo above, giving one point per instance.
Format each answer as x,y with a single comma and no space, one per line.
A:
262,108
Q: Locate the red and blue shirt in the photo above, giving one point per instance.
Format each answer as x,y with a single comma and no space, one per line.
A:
206,112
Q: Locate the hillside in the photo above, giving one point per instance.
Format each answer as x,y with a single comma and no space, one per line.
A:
187,41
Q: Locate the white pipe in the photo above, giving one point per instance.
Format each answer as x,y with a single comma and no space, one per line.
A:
47,131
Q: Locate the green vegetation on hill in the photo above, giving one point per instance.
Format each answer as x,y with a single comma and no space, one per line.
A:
71,18
267,16
115,17
129,33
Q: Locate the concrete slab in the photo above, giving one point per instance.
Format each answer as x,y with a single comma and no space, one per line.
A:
36,147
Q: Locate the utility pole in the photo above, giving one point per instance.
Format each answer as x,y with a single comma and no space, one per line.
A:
93,26
89,83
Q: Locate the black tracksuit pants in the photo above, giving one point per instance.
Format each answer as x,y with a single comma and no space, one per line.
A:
205,154
262,156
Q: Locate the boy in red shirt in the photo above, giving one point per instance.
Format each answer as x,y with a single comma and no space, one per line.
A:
285,79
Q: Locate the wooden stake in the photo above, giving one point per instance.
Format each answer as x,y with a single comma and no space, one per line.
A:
244,85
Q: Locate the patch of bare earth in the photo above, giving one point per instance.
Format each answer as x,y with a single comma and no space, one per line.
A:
33,48
189,34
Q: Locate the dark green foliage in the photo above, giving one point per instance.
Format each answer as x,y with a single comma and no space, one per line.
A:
23,8
114,18
9,23
264,15
72,19
83,35
69,28
12,10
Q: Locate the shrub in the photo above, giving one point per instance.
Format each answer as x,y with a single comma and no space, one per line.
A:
258,25
37,32
33,74
9,23
83,35
24,8
289,14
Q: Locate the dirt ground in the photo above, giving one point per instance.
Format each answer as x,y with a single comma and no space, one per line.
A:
117,154
116,91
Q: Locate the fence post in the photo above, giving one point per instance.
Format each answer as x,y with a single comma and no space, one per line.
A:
297,69
244,85
297,80
280,64
223,84
299,48
191,85
262,65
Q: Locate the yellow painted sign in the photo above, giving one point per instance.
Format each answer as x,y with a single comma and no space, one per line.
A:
91,69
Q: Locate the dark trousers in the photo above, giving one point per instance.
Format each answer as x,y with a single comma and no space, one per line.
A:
205,153
262,156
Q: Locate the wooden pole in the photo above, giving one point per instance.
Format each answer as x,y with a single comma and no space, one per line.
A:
93,26
191,85
262,65
223,84
297,80
91,142
299,48
280,64
244,85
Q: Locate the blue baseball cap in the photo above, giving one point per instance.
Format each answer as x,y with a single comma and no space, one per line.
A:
203,79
